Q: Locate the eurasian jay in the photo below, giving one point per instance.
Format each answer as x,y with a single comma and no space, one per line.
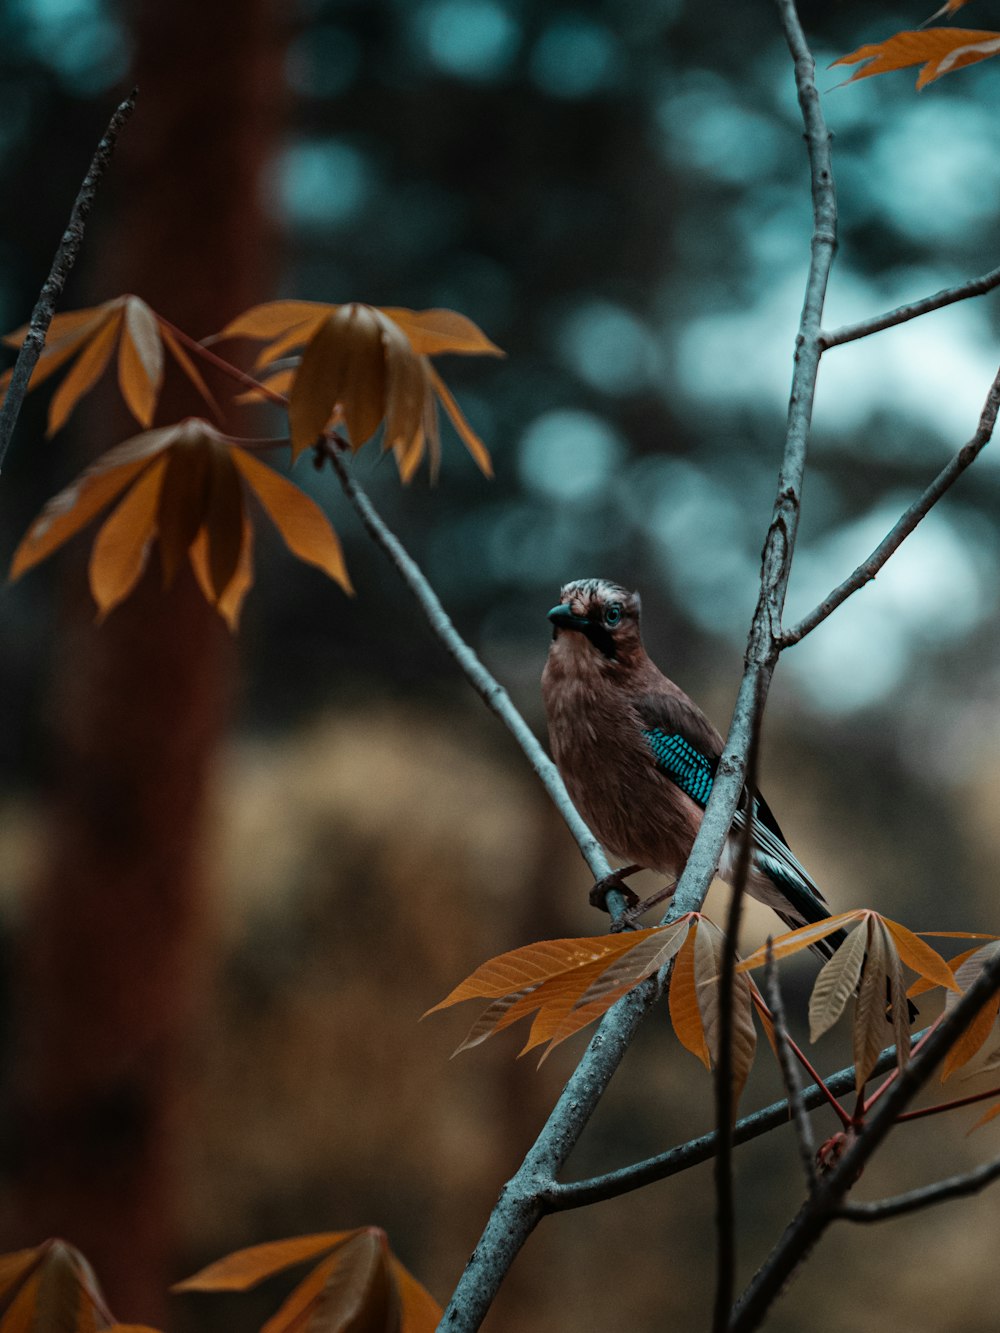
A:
639,757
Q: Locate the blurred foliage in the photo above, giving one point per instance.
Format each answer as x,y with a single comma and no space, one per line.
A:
616,192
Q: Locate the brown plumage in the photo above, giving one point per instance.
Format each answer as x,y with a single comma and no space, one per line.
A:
638,755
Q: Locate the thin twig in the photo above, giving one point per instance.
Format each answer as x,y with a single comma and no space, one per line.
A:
946,478
789,1069
947,296
725,1206
65,257
955,1187
580,1193
954,1105
483,682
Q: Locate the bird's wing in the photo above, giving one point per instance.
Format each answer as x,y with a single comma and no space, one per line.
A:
684,744
686,749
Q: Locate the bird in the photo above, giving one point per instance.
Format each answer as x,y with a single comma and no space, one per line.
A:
639,757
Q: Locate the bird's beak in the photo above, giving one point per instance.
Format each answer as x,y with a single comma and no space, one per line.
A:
563,618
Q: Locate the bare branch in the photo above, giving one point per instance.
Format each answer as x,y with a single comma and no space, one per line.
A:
917,511
482,681
947,296
955,1187
789,1069
579,1193
65,257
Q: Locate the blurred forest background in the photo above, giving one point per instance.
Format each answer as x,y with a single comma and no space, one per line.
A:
233,876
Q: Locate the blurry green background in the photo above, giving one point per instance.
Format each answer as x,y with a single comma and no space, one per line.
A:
617,193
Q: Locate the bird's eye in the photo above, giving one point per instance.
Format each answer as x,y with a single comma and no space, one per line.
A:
613,614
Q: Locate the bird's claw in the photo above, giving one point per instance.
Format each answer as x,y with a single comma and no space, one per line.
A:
613,883
636,909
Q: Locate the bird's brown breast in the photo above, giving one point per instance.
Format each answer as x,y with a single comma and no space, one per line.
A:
596,739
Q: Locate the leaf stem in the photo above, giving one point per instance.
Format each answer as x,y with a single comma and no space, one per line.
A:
227,368
913,310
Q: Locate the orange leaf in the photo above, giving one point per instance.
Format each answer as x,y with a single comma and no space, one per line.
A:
557,1022
836,983
245,1268
140,360
421,1312
793,941
896,993
974,1037
708,946
230,603
924,960
223,520
57,350
534,963
307,1295
273,318
71,322
869,1010
297,337
280,381
74,507
468,436
560,1011
182,506
685,1011
978,1031
648,956
984,1119
86,372
189,368
122,545
406,388
434,331
20,1316
922,985
939,50
13,1267
502,1013
957,935
352,1290
347,343
303,525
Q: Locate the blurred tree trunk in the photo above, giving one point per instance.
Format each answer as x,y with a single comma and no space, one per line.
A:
114,931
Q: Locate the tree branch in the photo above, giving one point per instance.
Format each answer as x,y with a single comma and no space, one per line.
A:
955,1187
65,257
580,1193
947,296
482,681
946,478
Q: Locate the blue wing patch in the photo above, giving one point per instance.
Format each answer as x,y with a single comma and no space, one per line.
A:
682,763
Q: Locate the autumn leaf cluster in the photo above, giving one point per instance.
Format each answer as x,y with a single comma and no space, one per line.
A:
567,984
350,372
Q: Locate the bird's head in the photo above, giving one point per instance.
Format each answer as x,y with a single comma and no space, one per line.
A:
603,617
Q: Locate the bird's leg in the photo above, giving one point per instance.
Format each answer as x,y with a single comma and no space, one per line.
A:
637,909
613,882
